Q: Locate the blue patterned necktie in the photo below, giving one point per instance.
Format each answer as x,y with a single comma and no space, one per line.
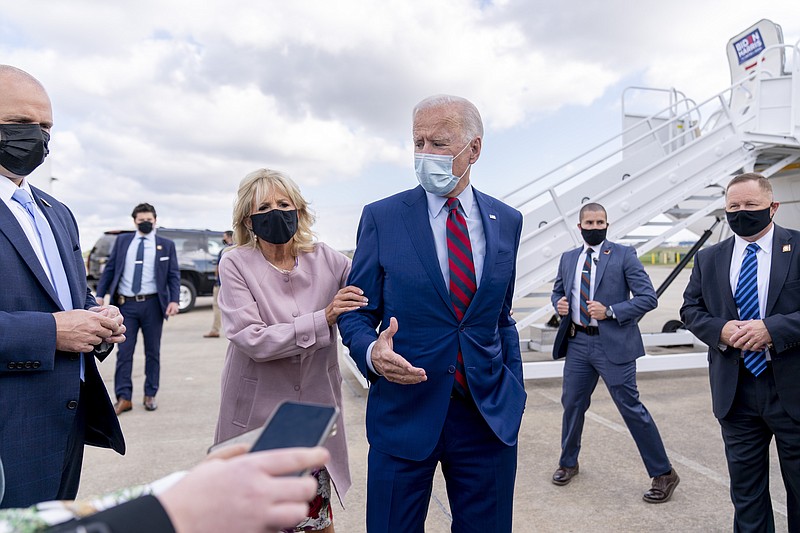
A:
58,277
136,285
747,301
462,277
586,283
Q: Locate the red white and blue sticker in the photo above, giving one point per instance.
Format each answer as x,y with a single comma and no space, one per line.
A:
749,46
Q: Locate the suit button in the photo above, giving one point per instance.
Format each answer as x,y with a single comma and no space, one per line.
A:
295,314
72,404
305,337
12,365
73,357
28,364
36,364
297,387
451,369
462,328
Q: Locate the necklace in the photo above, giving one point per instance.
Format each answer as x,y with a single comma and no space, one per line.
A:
282,271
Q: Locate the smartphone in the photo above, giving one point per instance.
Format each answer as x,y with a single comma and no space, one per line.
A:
292,424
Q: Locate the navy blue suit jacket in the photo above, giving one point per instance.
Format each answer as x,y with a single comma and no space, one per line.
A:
708,304
618,274
395,264
39,386
168,275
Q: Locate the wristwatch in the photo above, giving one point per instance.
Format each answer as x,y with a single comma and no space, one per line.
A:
609,312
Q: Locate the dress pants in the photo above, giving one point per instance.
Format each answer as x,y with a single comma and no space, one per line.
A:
73,457
148,316
479,472
216,325
586,361
747,430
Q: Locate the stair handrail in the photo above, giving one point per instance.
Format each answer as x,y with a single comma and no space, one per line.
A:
651,131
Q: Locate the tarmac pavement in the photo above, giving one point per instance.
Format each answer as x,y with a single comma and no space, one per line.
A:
606,496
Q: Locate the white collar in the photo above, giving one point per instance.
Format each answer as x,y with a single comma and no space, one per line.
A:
466,199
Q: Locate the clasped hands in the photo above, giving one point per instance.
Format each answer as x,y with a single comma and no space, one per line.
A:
80,330
392,365
746,335
596,309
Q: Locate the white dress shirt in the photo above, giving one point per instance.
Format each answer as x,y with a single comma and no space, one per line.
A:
575,300
764,257
148,268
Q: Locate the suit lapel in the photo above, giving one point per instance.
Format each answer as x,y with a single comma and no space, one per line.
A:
780,265
64,244
415,217
723,258
568,272
160,272
491,234
603,257
9,225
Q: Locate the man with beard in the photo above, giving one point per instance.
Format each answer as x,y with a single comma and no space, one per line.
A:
599,336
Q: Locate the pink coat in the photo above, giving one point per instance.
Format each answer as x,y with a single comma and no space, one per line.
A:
281,347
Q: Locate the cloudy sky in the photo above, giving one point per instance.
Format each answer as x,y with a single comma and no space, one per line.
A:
173,101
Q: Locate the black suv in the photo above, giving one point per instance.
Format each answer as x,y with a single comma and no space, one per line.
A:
197,251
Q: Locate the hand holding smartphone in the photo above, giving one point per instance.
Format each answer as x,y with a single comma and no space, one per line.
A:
291,425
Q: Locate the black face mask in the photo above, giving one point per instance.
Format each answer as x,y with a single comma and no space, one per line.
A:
593,237
276,226
23,147
748,223
145,227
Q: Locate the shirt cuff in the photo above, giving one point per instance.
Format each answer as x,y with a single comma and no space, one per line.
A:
369,358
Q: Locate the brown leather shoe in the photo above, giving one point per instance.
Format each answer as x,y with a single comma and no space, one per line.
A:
150,403
564,474
662,488
211,335
122,405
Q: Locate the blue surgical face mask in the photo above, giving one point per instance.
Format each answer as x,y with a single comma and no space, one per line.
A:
435,172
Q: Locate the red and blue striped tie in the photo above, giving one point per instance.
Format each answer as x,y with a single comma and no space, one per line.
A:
462,277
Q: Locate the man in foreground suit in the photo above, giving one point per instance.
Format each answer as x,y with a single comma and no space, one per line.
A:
143,278
743,301
437,264
52,398
599,336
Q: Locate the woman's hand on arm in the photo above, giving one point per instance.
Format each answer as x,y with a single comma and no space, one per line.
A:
349,298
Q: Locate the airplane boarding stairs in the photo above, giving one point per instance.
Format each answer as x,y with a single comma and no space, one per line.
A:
676,163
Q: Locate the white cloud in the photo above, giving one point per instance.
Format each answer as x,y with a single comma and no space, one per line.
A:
172,101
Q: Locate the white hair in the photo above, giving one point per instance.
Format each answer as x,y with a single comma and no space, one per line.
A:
471,123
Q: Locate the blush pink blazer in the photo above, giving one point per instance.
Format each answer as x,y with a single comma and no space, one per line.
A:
281,347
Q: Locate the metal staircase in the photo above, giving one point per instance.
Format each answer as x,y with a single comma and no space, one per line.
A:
674,162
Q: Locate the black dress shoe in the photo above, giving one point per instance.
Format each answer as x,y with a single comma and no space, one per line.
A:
662,488
564,474
150,403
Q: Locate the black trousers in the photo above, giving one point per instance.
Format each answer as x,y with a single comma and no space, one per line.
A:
747,430
73,458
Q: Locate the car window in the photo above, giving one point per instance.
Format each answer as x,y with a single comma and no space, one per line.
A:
214,245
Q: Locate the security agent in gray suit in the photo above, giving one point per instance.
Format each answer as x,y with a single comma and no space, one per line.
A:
599,336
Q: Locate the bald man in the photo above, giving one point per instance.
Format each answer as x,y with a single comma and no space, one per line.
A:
52,398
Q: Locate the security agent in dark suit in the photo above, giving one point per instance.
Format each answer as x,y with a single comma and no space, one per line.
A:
143,277
753,339
52,399
599,336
